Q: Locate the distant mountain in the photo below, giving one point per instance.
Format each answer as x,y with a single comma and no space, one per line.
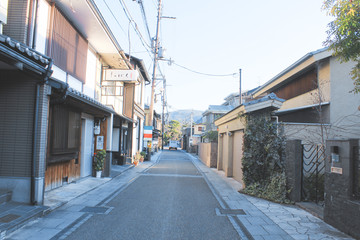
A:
183,116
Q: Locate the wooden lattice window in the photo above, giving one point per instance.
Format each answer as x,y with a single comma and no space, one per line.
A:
65,131
67,47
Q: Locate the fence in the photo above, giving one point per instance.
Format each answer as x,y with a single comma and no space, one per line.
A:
208,154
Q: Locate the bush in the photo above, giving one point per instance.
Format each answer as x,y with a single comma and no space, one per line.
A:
275,190
263,166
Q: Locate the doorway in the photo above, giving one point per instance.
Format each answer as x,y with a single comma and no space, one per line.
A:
87,146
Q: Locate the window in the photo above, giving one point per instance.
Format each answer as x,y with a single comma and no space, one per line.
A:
65,130
200,129
112,88
67,47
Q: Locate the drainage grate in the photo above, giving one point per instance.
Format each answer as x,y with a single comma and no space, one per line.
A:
8,218
229,212
96,210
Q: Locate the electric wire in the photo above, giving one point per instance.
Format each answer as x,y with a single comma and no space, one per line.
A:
134,25
115,17
206,74
143,13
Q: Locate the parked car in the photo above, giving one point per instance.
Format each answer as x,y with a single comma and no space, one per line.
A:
173,144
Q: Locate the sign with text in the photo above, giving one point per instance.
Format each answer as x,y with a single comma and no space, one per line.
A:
99,142
148,133
336,170
121,75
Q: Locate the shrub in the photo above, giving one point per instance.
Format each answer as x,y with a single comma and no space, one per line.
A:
263,166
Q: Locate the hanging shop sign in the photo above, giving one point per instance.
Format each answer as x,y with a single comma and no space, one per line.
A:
121,75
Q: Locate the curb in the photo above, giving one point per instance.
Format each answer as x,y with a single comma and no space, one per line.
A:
17,224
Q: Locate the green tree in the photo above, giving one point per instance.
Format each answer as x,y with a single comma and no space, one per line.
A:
344,33
212,136
172,131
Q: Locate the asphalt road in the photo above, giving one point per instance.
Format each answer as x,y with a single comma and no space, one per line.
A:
171,200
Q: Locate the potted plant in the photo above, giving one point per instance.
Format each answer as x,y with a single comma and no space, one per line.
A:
137,157
99,159
143,154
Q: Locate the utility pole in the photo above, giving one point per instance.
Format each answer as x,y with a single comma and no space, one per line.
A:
155,65
240,97
162,118
191,117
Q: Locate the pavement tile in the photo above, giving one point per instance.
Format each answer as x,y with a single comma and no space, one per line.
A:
273,229
256,221
288,221
256,230
273,237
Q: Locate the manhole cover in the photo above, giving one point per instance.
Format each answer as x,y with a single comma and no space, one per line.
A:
97,210
229,212
8,218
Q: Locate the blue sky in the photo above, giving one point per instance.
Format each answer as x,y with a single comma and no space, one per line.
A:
219,37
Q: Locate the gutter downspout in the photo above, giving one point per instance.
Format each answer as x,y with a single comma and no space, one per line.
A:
35,137
35,141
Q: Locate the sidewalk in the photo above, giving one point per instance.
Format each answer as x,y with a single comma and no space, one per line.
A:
264,219
16,215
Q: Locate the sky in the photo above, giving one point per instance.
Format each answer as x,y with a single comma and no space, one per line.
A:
218,37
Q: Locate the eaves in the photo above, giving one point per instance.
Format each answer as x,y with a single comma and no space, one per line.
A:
300,65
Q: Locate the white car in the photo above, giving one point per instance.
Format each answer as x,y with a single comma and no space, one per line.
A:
173,145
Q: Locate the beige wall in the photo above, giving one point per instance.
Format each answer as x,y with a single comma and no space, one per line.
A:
208,154
344,106
230,149
237,156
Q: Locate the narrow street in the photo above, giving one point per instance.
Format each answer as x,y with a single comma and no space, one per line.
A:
174,196
171,200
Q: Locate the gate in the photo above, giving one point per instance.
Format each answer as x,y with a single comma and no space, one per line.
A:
313,173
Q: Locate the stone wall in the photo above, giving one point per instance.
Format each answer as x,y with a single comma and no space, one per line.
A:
208,154
342,209
293,162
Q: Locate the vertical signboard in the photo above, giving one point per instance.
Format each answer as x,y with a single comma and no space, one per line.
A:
147,136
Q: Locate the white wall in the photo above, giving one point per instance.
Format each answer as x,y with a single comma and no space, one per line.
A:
75,83
89,86
59,73
116,138
42,25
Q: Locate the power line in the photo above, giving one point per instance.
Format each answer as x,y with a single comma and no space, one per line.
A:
128,15
206,74
114,17
144,17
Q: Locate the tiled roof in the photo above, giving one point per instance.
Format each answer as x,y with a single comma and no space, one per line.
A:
271,96
220,108
25,50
